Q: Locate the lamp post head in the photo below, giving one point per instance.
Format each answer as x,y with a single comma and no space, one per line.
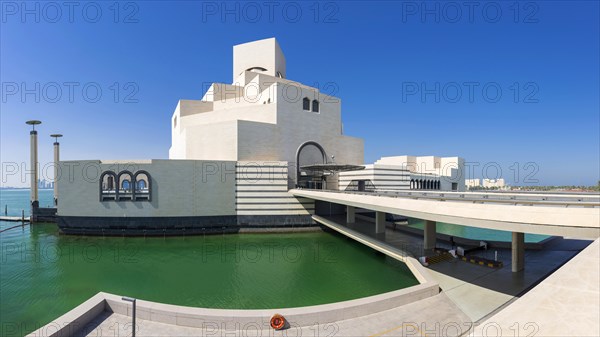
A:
56,136
33,123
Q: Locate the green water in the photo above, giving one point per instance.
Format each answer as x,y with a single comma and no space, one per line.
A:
475,233
44,274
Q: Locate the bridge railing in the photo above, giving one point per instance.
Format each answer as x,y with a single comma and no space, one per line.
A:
538,199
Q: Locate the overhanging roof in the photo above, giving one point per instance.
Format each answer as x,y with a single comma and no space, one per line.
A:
332,167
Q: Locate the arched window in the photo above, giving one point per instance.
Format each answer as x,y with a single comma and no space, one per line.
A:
125,191
108,187
142,186
315,105
125,186
306,104
255,69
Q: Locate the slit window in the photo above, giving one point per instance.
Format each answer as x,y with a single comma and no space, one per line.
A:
306,104
315,106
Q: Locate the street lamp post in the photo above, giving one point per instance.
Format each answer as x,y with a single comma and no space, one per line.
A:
132,300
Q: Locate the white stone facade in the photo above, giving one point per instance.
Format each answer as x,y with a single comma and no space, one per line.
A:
236,152
472,183
233,155
410,173
260,116
493,183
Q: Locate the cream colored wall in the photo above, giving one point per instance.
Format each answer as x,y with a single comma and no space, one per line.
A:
222,91
448,169
217,141
454,169
428,164
245,129
189,107
263,53
260,116
408,161
179,188
258,141
384,177
262,188
299,126
472,183
493,182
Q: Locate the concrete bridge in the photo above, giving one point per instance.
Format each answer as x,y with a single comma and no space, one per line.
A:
572,215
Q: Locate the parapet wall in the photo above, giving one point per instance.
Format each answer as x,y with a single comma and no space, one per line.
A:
81,317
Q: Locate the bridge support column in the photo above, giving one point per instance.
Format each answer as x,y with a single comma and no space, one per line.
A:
350,214
518,252
379,222
429,235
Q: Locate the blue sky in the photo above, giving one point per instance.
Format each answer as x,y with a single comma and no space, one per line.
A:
378,57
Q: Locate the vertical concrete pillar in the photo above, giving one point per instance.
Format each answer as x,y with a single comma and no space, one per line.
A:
34,166
429,234
33,156
379,222
518,251
56,160
350,214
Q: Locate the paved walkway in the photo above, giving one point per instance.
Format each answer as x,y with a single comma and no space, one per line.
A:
567,303
435,315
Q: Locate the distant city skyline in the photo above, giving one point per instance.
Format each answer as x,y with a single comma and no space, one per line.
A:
516,95
42,184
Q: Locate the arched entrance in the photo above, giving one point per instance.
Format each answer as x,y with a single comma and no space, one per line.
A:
309,153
